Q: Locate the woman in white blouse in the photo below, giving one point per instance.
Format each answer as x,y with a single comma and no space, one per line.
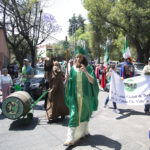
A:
6,83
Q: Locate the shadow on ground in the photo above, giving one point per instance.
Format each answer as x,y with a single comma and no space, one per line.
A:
64,122
22,125
95,141
39,107
128,112
59,121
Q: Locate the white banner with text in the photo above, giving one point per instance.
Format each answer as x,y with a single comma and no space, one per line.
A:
131,91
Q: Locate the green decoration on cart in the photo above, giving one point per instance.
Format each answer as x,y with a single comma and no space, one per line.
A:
17,87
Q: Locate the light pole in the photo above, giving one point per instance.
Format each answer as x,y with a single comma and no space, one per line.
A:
36,30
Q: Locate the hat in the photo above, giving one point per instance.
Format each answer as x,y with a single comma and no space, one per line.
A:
26,60
79,51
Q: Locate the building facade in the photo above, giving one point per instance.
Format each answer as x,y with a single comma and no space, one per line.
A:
4,52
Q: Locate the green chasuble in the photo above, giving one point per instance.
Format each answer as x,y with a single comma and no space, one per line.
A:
82,96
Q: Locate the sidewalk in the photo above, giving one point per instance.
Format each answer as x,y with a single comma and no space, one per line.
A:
109,131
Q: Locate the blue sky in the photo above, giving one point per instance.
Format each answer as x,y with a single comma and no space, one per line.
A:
63,10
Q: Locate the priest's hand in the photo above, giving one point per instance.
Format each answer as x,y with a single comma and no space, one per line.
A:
90,78
83,69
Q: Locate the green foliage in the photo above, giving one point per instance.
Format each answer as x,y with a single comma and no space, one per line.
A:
57,51
109,18
118,47
80,38
26,26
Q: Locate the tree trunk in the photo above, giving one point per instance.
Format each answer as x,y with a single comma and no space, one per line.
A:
32,50
33,57
140,52
140,56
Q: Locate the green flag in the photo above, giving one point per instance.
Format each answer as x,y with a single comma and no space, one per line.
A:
126,50
106,59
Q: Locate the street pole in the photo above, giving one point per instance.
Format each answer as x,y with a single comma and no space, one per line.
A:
36,31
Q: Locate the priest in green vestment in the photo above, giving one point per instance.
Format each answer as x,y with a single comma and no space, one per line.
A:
81,97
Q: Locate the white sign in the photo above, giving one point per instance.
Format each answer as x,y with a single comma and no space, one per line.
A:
130,91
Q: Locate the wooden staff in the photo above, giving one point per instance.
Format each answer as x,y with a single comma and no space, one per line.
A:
67,68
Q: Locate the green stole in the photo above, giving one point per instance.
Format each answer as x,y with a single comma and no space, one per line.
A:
80,93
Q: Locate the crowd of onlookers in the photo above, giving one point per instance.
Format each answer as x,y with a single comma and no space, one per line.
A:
103,74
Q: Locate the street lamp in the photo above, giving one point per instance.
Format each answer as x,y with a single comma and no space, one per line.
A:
36,29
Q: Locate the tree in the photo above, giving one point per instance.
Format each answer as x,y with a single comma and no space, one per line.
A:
58,51
81,23
75,23
131,18
24,22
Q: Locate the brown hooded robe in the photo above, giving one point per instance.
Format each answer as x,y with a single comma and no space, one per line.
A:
56,97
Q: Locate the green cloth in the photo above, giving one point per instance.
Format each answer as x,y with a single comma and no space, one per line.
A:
88,93
24,73
17,87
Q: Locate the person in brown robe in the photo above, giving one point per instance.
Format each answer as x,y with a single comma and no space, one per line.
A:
55,106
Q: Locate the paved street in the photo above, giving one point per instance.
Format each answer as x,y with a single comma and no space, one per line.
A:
125,131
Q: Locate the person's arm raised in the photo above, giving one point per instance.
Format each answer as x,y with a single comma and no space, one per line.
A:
90,78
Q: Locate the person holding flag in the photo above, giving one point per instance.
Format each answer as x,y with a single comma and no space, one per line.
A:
127,69
81,97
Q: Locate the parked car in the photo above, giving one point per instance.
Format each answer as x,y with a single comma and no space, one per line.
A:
137,66
37,85
118,68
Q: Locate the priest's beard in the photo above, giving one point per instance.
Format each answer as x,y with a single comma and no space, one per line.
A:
81,61
78,63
